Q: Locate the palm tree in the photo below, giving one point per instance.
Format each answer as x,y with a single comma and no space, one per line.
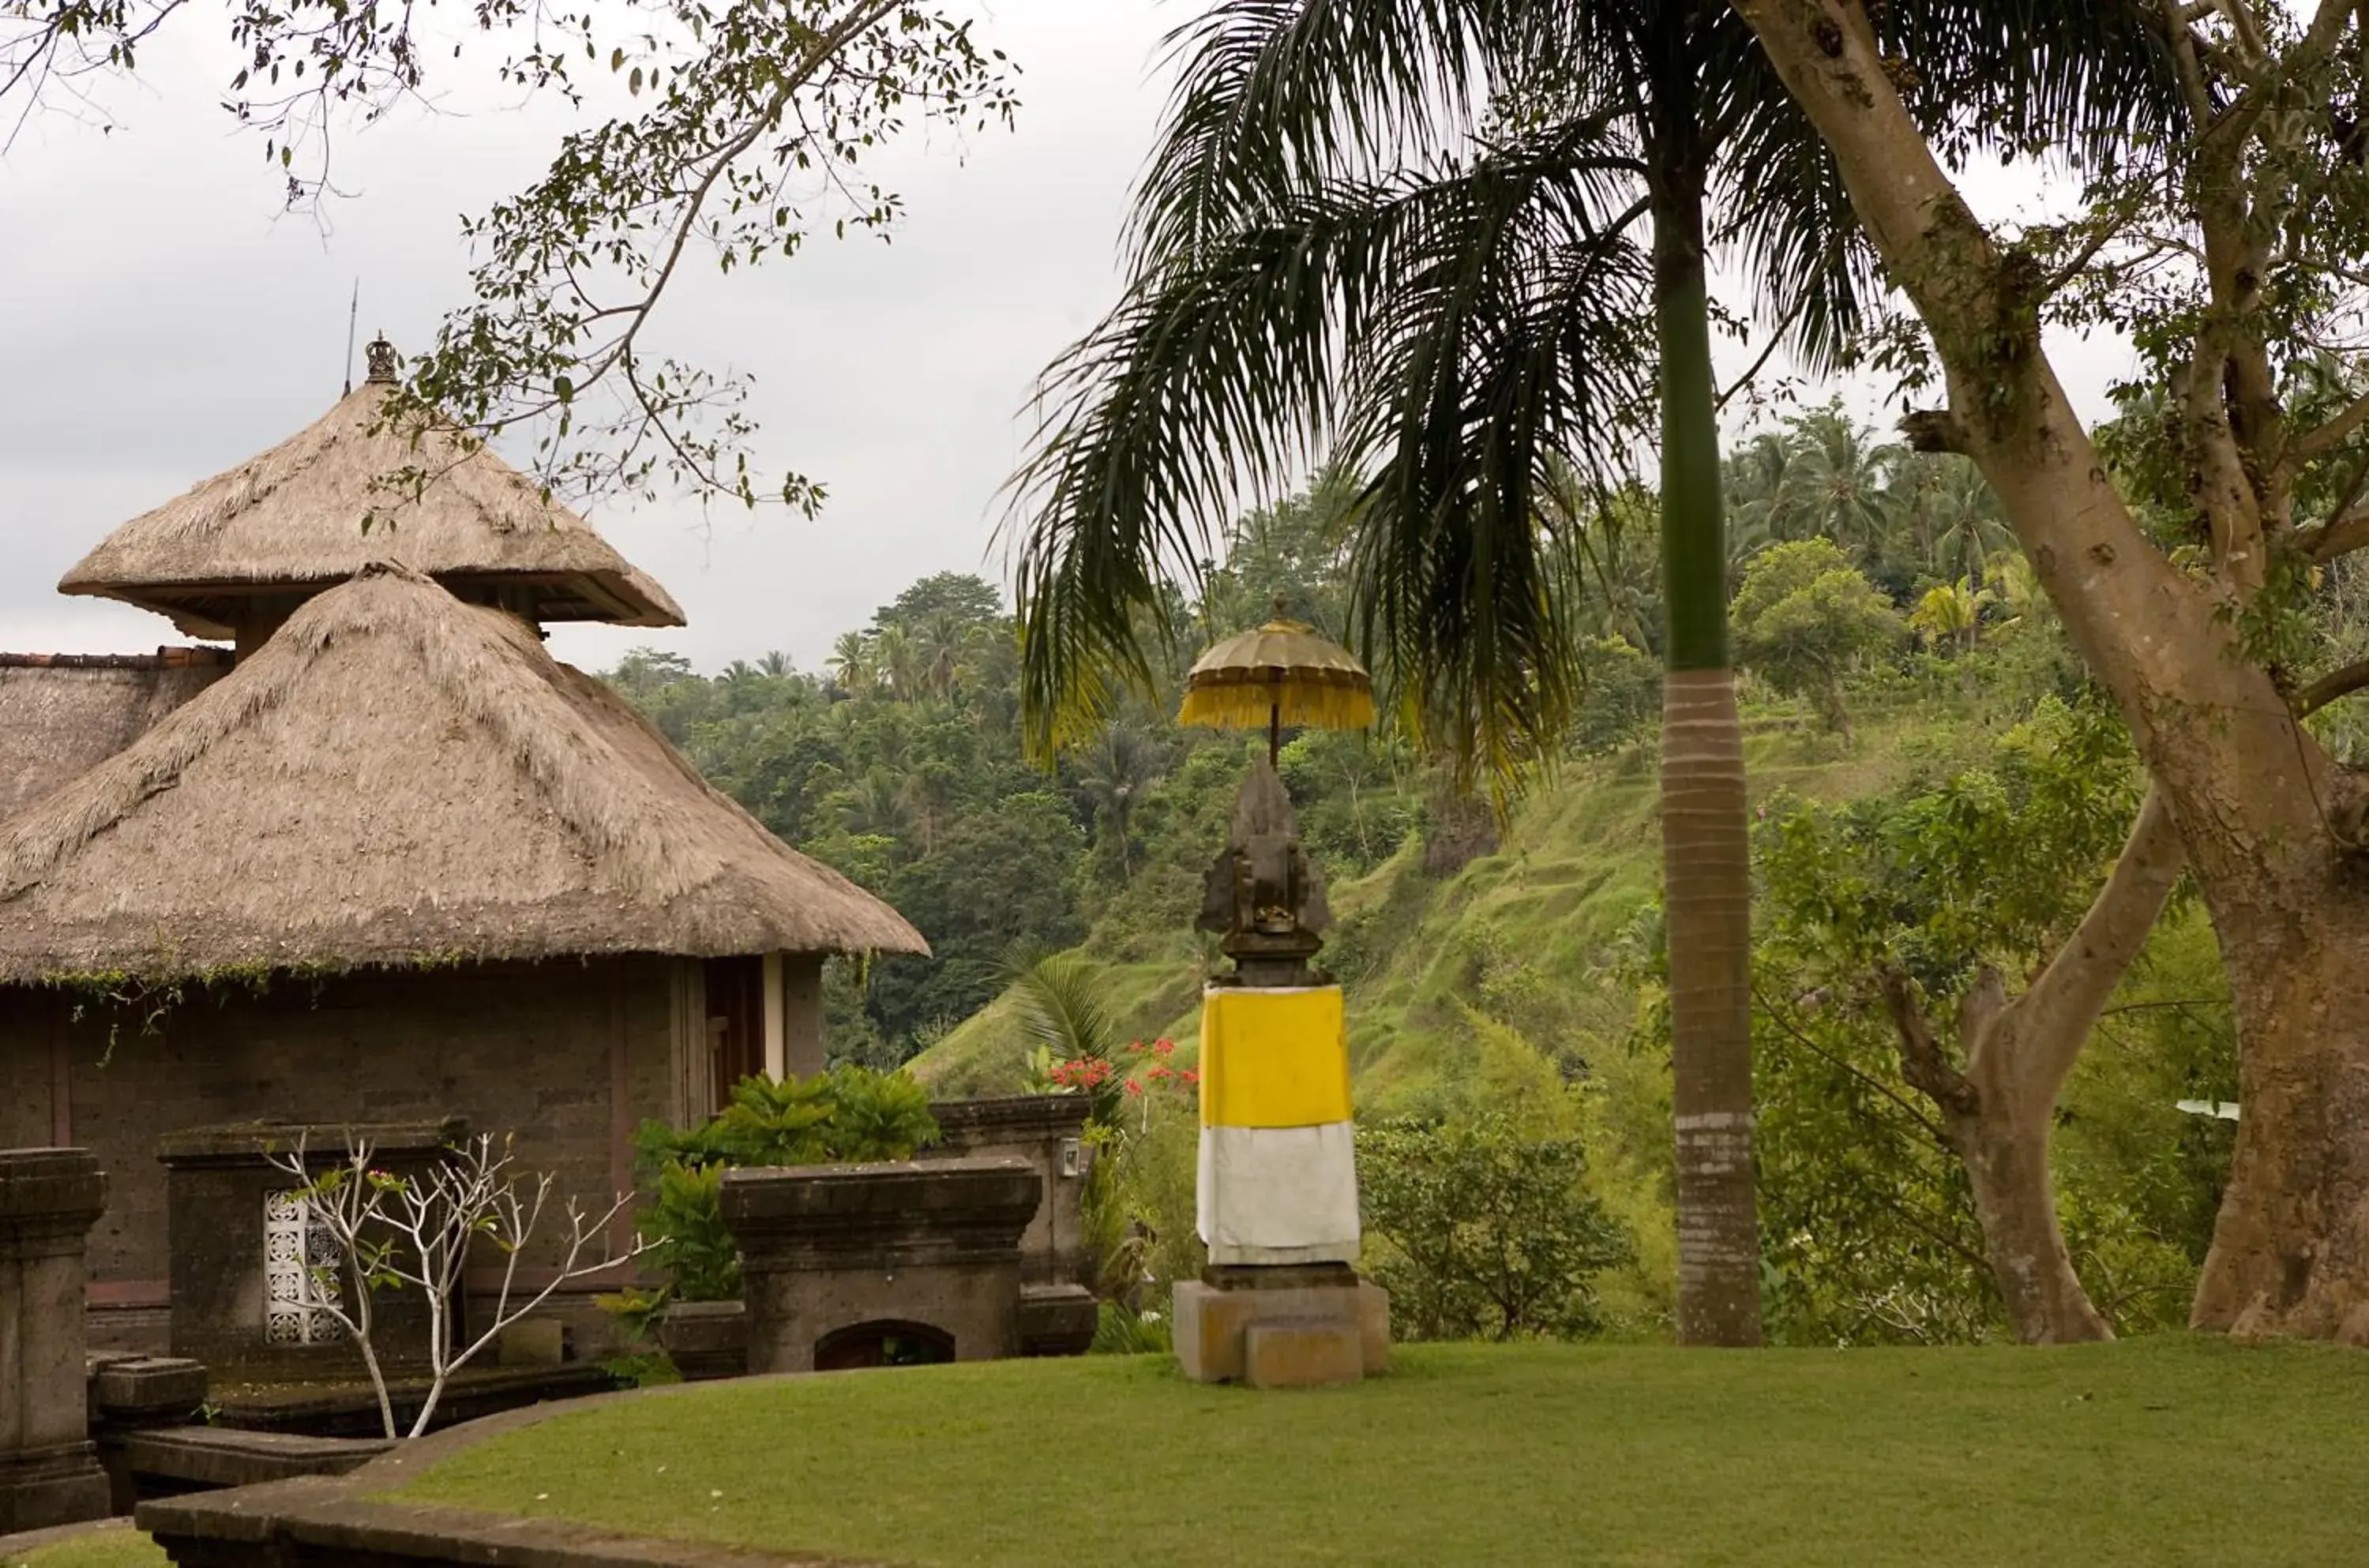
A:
899,661
1112,773
851,664
1966,523
1409,233
1760,486
1844,481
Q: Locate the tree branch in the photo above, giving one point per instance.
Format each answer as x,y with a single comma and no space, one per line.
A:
2326,438
2337,683
2337,536
1923,1062
1934,429
2040,1033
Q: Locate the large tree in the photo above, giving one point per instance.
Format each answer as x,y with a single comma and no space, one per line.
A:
1404,230
2232,256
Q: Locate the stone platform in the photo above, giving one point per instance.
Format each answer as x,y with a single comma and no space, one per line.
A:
1281,1328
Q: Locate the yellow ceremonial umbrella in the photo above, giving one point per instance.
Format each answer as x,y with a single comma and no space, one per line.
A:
1278,674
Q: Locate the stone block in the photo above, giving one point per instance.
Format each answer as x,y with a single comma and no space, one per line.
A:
1287,1355
191,1458
1049,1132
1206,1331
1057,1320
532,1342
145,1390
226,1310
837,1258
1374,1326
1212,1322
705,1339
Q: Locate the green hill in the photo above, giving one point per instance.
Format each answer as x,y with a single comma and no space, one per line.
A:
1535,936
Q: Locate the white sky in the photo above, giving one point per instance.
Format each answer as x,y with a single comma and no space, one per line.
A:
160,321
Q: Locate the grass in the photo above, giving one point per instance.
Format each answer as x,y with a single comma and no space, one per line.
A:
98,1549
2161,1453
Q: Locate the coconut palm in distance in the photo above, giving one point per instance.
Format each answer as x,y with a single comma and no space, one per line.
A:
1448,243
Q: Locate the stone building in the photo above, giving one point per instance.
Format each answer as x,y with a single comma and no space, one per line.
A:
395,864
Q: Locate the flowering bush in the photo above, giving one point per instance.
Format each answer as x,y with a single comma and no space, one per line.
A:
1147,1071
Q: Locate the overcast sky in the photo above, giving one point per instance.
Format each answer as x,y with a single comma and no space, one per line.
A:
164,321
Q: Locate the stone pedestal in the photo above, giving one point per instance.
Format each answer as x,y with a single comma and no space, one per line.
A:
847,1265
50,1472
1275,1328
130,1395
1049,1132
242,1251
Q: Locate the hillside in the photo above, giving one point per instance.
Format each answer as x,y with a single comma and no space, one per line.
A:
1531,936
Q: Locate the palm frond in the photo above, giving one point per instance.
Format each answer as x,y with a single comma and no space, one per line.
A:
1062,1008
1276,98
1452,329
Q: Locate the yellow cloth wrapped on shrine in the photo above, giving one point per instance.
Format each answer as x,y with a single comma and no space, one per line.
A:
1274,1057
1278,1176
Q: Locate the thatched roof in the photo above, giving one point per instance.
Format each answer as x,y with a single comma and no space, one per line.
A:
294,517
62,715
396,777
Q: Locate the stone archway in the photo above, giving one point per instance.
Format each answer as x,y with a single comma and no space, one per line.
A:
882,1342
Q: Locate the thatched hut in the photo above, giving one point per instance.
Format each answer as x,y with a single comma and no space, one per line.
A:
237,554
395,865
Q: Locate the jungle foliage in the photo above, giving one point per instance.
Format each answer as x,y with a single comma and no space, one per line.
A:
1511,966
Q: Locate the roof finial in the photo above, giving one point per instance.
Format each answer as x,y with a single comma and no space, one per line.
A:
383,360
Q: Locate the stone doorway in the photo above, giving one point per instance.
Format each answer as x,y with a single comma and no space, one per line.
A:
882,1342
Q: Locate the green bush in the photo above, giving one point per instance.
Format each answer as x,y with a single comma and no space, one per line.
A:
1480,1234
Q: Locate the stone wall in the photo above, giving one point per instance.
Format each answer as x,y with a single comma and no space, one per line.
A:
1048,1132
570,1057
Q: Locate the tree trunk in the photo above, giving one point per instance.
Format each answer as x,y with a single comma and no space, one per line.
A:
2006,1152
1706,872
2269,822
2290,1244
1999,1109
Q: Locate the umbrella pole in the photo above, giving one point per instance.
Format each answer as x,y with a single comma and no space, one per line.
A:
1273,734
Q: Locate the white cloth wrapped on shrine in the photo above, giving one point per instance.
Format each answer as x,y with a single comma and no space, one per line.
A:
1287,1194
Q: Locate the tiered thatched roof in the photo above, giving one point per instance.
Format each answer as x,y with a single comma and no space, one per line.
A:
294,518
62,715
396,777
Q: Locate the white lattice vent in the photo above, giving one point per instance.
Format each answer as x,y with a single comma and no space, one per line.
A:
299,1258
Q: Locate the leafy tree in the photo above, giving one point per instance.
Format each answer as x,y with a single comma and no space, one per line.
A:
1805,616
1906,1184
2188,246
1002,874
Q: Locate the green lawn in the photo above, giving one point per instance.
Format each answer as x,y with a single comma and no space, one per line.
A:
100,1548
2155,1452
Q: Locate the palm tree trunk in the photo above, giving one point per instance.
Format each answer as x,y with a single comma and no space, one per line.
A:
1706,885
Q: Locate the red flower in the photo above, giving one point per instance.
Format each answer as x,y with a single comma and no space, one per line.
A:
1135,1086
1161,1047
1163,1073
1192,1075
